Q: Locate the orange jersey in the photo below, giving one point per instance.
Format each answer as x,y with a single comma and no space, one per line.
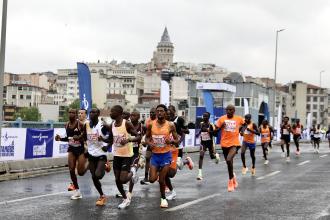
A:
230,131
159,134
149,121
265,134
248,136
297,129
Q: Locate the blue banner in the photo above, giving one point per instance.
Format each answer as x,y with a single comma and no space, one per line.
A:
85,88
39,143
209,102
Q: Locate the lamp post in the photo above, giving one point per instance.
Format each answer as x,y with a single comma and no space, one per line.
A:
275,75
321,78
2,57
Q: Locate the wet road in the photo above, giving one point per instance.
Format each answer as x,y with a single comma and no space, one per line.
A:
296,190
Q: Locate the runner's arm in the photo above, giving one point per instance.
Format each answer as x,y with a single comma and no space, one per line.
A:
130,129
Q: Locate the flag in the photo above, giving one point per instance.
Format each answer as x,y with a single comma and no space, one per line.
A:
85,88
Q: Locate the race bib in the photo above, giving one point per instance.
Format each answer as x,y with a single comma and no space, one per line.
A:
205,136
159,140
117,139
74,143
264,135
93,137
230,126
285,131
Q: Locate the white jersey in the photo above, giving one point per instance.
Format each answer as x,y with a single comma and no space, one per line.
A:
95,146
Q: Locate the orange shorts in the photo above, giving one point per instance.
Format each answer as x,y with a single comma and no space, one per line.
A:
175,153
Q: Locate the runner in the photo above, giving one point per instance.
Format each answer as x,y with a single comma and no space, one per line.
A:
266,136
230,126
328,135
181,130
248,131
317,139
158,138
296,130
312,132
285,138
149,121
139,128
97,152
206,133
75,136
124,167
126,115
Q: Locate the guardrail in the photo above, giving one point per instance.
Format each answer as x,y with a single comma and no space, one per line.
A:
32,124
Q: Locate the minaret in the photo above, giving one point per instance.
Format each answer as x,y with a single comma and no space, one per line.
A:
165,49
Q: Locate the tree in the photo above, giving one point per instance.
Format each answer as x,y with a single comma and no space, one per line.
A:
28,114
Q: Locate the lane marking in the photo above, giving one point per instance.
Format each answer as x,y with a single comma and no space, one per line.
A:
325,155
31,198
268,175
185,205
302,163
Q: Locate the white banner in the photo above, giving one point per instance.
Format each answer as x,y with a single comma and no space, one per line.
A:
12,144
164,93
190,138
279,122
60,149
246,107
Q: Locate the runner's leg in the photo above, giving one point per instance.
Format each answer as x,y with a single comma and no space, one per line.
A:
72,160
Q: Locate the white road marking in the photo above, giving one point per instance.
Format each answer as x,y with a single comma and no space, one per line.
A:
325,155
31,198
268,175
185,205
302,163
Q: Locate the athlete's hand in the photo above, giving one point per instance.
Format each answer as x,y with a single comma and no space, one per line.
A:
57,138
75,137
124,141
105,148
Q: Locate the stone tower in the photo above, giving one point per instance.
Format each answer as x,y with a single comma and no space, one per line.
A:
163,57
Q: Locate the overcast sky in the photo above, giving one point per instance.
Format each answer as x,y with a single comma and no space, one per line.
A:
239,35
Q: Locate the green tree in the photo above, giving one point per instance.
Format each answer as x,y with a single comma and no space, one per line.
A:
28,114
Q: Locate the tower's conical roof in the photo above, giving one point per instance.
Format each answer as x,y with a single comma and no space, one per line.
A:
165,37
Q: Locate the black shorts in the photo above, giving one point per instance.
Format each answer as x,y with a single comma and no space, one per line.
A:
122,163
285,138
296,137
92,158
136,151
77,151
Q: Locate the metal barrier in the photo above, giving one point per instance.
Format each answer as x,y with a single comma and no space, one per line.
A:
32,124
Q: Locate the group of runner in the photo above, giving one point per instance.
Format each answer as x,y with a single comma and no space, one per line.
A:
157,146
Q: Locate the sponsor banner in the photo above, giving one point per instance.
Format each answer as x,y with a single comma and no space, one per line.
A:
189,140
164,93
85,88
12,144
60,149
39,143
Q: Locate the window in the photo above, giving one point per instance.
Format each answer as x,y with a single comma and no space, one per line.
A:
308,98
321,114
321,107
13,96
315,91
315,114
321,99
315,99
28,96
21,96
237,102
314,107
20,88
308,107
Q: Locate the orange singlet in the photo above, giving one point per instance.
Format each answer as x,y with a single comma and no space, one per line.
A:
230,132
265,134
158,137
249,136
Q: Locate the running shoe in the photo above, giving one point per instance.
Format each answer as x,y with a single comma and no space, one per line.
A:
124,204
199,177
297,153
101,201
144,182
230,185
107,166
76,195
317,151
235,181
287,159
163,203
179,163
190,163
217,158
283,154
71,187
266,162
253,171
244,170
171,195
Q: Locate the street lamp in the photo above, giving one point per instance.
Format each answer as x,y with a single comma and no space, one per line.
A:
275,74
321,77
2,57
